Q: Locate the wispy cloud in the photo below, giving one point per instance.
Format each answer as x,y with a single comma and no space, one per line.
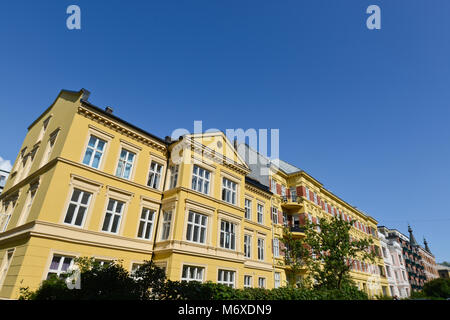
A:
5,164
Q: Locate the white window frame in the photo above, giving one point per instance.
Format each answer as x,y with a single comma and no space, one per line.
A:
203,181
202,227
27,207
173,176
166,225
192,273
227,235
49,148
6,263
276,247
146,223
120,173
274,215
307,193
262,282
226,277
113,214
229,191
277,279
260,213
248,209
248,281
155,175
261,244
247,246
59,270
95,150
78,205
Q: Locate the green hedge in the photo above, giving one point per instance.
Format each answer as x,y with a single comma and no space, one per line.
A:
113,282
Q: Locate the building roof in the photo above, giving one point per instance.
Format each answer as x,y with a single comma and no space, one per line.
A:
257,184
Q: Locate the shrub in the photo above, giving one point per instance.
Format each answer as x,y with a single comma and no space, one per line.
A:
437,288
113,282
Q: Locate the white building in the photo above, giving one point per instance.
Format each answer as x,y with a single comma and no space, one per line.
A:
395,264
3,177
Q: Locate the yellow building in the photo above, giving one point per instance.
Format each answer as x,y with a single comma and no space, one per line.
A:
298,197
87,183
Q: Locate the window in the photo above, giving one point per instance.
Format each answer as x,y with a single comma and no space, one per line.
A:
260,213
191,273
27,207
5,265
125,165
78,206
274,215
247,246
229,191
261,282
59,266
226,277
154,176
403,274
227,235
248,281
285,219
248,209
196,227
200,180
44,128
315,198
134,268
277,279
283,191
113,216
4,218
276,247
173,176
260,249
146,224
29,163
94,152
103,263
49,148
167,218
273,186
388,271
307,193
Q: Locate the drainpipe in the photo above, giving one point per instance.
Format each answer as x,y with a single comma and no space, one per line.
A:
168,141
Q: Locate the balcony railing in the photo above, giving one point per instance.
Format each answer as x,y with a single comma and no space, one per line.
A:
296,229
291,198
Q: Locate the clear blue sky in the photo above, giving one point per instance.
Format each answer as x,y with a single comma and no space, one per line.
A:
365,112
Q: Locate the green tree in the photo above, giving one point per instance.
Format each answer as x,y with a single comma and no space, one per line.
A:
437,288
326,252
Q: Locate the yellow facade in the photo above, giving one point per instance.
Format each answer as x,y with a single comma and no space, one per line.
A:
87,183
298,206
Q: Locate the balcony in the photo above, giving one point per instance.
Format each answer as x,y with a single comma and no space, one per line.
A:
297,231
291,202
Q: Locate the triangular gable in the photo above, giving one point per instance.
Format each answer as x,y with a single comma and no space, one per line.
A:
219,144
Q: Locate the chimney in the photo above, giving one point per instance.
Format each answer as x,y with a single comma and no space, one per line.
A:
109,110
235,143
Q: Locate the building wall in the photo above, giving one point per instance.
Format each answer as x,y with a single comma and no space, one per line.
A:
37,198
429,264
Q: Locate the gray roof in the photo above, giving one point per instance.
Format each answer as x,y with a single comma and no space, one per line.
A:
286,167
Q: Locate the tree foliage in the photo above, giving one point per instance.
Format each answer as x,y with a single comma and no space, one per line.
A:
326,253
112,282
